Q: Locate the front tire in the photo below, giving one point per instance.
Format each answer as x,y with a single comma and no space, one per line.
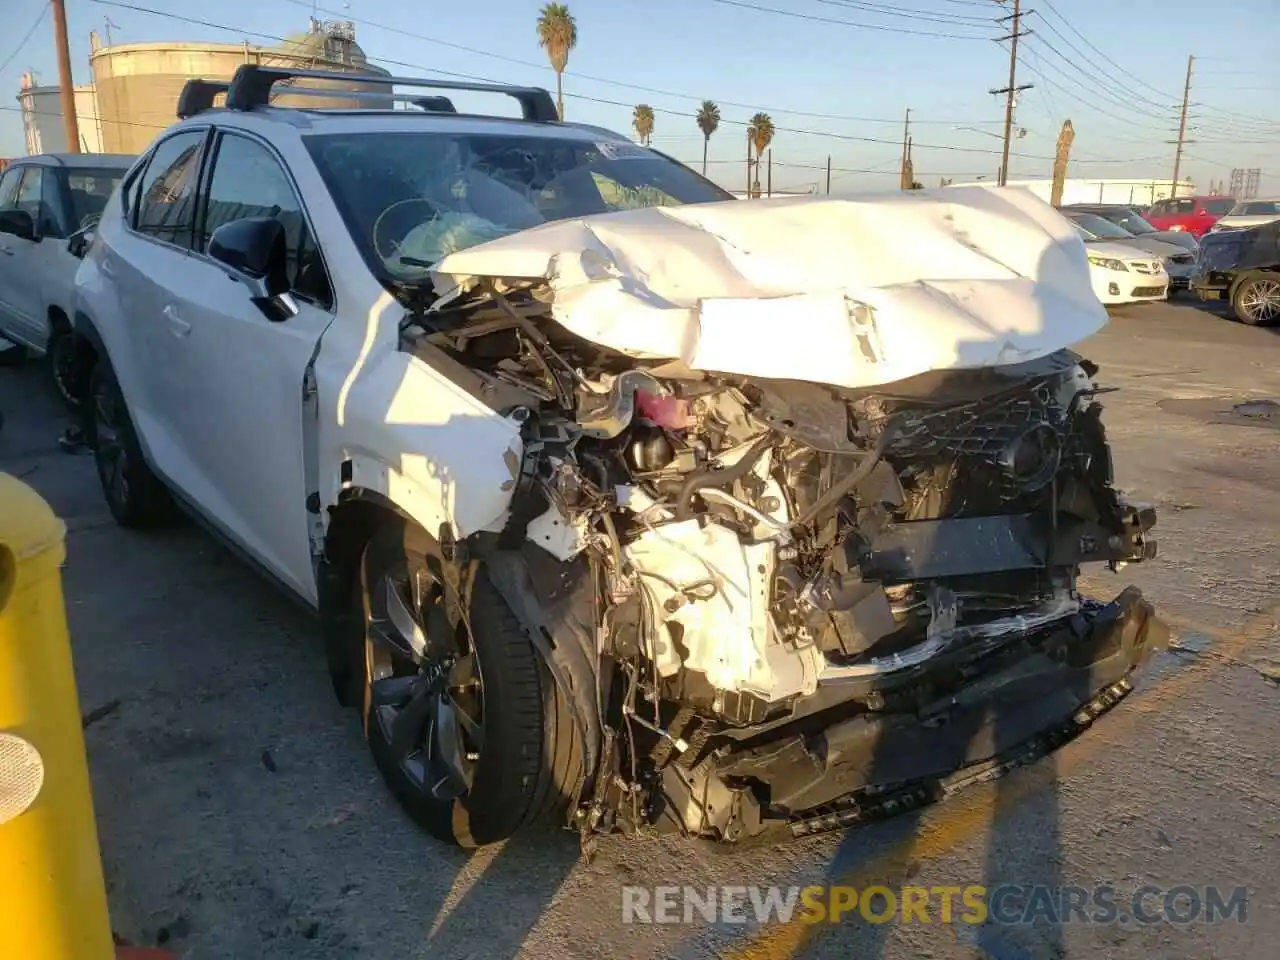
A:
1257,302
135,496
467,727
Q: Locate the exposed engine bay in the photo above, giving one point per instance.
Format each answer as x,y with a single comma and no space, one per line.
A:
787,604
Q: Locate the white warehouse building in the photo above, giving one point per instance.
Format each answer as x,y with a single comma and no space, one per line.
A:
1101,190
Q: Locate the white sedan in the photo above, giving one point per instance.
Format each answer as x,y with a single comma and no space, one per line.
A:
1124,274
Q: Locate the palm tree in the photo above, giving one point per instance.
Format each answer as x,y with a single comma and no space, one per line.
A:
708,123
557,34
760,133
642,120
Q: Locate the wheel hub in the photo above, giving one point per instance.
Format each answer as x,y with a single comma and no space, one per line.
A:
426,695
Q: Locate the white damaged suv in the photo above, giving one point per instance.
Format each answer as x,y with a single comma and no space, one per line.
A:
620,499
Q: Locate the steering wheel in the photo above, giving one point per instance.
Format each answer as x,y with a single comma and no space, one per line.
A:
398,227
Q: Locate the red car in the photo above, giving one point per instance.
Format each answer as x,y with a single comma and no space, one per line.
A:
1195,215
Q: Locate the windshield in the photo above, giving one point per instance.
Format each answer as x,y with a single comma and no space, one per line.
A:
90,189
409,199
1131,221
1104,229
1256,208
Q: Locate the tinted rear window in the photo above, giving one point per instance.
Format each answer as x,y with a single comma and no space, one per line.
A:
1219,208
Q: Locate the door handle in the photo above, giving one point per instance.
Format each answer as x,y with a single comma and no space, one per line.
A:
177,326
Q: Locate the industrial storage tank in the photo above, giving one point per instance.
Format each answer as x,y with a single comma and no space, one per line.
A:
42,126
137,84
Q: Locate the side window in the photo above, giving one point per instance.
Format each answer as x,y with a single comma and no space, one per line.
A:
1159,209
31,198
166,203
1219,208
9,186
1184,206
248,181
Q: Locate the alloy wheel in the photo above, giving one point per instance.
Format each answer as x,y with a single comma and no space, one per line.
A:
425,692
1260,301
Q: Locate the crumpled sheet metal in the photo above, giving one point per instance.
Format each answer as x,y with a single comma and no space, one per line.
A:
855,292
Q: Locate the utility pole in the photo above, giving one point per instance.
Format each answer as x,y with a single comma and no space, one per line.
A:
66,92
769,175
828,174
1182,130
748,163
1012,90
903,183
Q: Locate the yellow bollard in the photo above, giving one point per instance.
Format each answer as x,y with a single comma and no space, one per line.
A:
53,900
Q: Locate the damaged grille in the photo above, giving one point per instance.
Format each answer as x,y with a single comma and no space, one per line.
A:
979,456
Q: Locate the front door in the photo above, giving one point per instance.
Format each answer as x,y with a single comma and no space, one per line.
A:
238,376
10,319
33,264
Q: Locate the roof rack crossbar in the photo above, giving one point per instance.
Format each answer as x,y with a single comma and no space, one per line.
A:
252,83
198,96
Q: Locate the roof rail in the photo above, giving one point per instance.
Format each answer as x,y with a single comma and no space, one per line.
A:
197,96
252,83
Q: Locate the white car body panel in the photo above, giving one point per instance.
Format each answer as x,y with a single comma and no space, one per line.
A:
34,276
853,292
1142,271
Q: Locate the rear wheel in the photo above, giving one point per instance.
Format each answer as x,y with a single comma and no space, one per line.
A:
467,727
134,494
1257,302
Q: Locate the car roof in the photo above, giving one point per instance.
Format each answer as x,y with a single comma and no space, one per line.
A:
341,121
96,161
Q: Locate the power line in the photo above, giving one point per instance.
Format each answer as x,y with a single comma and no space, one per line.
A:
25,37
845,23
1127,73
412,35
1080,99
1101,90
909,13
1102,71
829,135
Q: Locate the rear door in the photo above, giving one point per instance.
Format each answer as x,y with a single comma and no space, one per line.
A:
237,394
155,243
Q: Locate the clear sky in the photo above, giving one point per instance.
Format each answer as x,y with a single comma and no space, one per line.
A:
835,75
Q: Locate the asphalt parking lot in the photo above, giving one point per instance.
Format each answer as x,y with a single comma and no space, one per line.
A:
241,817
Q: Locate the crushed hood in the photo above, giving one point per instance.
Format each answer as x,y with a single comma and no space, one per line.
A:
853,292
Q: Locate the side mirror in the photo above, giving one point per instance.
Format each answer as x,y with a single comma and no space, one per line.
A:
256,248
79,242
18,223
